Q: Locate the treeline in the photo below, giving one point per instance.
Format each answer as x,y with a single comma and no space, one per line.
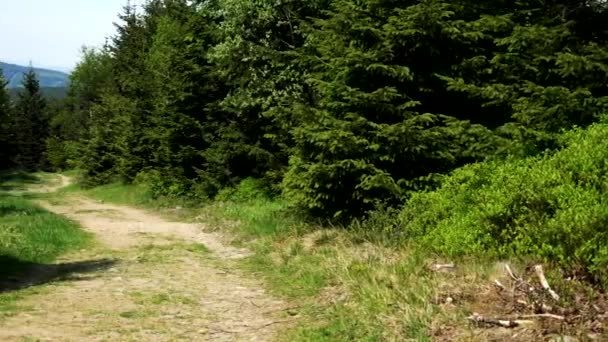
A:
24,125
340,105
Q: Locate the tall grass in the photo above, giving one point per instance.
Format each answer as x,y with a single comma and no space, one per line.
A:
30,234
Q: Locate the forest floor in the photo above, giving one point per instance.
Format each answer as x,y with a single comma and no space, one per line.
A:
243,268
163,281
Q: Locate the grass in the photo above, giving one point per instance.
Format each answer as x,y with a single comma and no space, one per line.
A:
30,235
162,253
119,193
345,287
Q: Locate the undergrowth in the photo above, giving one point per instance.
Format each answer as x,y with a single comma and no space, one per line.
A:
550,208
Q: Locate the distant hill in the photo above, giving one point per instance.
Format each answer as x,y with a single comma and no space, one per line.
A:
48,78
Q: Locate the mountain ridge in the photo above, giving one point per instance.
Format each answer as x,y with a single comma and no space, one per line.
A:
13,73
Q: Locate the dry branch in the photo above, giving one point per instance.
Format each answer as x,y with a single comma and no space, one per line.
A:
511,274
543,281
477,318
443,267
499,285
545,315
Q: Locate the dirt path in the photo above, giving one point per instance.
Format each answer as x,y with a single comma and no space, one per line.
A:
171,282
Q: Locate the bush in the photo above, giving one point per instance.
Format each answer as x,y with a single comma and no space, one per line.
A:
62,154
551,207
248,189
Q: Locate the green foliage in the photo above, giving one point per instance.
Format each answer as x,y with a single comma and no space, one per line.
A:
377,129
558,60
70,123
343,106
30,125
248,189
30,234
550,207
6,143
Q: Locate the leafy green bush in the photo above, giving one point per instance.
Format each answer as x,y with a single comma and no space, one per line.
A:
62,154
248,189
551,207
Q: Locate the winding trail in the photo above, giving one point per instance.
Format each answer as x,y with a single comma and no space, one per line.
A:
171,281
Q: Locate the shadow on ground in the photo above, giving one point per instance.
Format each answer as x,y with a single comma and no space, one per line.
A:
10,181
11,208
18,275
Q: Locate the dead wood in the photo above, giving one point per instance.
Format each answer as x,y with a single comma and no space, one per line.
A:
543,281
505,323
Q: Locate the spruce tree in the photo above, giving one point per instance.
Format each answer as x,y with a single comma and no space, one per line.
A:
381,124
31,125
5,123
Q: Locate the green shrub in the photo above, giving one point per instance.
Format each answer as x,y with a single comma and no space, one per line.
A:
551,207
248,189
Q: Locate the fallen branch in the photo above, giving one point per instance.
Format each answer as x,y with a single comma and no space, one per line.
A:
254,304
546,308
499,285
518,280
477,318
544,315
511,274
441,267
543,281
273,323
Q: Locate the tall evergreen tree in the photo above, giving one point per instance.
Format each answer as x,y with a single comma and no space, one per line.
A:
381,123
115,147
255,60
5,125
543,64
70,126
341,104
31,125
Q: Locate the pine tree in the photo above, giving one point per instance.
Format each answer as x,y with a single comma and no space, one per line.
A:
70,125
381,124
31,125
255,60
5,125
543,64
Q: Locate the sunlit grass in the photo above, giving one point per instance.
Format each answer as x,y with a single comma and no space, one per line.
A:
29,234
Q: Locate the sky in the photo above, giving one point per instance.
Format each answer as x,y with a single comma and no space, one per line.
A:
51,33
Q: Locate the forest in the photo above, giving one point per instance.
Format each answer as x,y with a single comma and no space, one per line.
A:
466,127
342,106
